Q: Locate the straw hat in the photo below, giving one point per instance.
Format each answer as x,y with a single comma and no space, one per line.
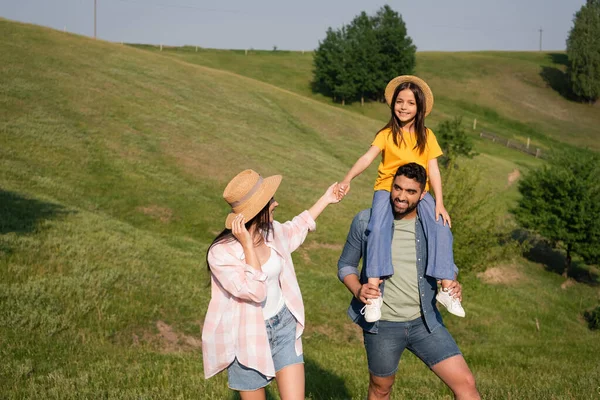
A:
397,81
247,193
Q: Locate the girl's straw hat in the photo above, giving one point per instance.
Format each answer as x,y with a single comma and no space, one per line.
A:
247,193
397,81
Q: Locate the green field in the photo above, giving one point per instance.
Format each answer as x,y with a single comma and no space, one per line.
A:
112,164
509,93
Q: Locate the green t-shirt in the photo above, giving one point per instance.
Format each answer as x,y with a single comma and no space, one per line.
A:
401,295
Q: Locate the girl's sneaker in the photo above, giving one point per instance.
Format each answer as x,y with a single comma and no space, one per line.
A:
372,312
452,304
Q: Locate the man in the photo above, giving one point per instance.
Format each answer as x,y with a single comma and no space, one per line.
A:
409,317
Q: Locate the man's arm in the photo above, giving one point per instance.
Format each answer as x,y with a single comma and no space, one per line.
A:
361,292
350,258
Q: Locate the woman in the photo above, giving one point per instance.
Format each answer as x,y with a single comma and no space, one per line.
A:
255,318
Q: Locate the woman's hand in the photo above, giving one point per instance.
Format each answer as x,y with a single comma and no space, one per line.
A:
238,228
441,210
330,195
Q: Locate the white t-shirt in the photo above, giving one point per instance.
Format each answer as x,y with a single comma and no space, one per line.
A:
274,301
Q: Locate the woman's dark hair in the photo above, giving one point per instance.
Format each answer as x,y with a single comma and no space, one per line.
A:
419,124
262,222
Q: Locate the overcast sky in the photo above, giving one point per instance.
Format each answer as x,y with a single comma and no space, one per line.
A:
299,25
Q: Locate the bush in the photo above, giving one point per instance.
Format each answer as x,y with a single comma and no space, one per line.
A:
454,141
482,234
593,318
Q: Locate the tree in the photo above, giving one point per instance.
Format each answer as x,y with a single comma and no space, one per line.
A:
362,45
583,51
561,202
454,141
357,60
328,62
397,53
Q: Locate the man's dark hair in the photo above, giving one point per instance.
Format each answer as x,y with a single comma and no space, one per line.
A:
413,171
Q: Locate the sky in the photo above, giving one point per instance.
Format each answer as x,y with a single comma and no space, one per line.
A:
433,25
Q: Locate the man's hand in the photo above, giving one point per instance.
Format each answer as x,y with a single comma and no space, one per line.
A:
455,290
367,291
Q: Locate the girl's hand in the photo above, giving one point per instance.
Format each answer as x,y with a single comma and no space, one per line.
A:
441,210
343,189
238,228
332,194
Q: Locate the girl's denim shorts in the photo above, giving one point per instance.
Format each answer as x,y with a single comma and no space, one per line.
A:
281,330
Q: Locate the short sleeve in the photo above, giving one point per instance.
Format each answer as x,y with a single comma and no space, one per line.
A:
380,139
433,146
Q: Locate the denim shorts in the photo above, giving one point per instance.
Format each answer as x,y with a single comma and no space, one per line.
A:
385,347
281,330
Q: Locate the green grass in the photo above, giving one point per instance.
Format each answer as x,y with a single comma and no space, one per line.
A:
509,93
112,164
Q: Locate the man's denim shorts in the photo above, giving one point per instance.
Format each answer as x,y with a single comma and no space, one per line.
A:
281,330
385,347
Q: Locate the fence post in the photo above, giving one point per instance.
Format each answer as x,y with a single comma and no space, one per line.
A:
480,134
527,143
474,123
246,52
161,47
196,49
537,153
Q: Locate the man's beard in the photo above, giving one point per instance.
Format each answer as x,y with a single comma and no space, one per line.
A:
410,208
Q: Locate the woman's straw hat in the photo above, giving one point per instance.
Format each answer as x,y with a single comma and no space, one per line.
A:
397,81
247,193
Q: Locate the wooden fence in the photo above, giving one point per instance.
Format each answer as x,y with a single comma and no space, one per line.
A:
514,144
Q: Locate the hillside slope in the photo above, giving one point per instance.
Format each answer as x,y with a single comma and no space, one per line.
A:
112,165
514,94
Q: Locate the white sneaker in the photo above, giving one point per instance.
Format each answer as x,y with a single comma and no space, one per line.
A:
452,304
372,312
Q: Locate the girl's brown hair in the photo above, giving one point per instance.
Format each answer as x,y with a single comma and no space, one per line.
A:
419,124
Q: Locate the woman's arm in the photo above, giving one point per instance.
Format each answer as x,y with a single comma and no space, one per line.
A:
295,231
435,178
235,276
328,198
238,228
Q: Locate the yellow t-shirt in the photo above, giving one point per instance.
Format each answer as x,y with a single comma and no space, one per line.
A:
392,156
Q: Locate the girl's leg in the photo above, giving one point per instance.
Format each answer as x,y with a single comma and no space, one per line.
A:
440,258
379,240
373,281
290,382
259,394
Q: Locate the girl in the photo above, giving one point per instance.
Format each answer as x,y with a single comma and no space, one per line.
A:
256,317
403,140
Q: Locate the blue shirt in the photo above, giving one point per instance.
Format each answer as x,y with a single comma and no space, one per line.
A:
356,248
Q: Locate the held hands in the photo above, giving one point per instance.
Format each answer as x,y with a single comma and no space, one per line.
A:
330,195
342,189
441,210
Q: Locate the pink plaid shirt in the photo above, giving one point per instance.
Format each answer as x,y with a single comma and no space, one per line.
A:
234,325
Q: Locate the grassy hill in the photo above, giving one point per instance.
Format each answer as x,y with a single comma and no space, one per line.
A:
112,164
513,94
